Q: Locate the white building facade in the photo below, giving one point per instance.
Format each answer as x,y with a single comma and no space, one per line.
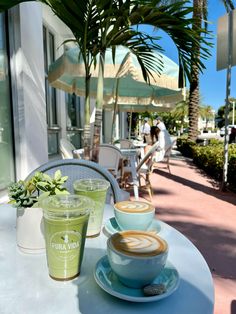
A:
33,116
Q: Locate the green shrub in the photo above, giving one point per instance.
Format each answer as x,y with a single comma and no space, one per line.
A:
210,158
232,171
185,146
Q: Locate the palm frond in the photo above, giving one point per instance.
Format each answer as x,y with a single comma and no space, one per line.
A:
229,5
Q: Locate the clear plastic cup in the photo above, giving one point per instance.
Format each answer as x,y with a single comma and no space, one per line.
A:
96,189
65,226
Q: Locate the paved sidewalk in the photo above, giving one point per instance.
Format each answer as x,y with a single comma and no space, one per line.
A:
191,202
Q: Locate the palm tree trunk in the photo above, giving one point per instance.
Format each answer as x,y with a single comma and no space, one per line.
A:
193,105
115,111
194,84
87,131
99,105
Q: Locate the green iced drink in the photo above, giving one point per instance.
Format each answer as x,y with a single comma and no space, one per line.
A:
96,189
65,226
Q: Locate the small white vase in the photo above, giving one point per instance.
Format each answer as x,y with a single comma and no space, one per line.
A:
29,230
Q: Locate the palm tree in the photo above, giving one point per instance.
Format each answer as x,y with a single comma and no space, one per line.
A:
199,15
99,24
180,112
199,18
220,117
139,43
207,113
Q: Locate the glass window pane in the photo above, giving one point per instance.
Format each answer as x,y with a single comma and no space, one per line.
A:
45,50
51,48
71,110
53,115
51,101
74,135
52,143
6,134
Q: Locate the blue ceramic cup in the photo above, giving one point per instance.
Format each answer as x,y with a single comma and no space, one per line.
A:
134,215
136,257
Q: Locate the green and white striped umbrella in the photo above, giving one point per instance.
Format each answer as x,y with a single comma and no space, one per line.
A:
68,73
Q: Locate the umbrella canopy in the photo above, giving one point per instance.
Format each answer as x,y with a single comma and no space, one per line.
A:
67,73
140,107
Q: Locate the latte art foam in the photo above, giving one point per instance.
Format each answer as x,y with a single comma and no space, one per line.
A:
134,207
138,243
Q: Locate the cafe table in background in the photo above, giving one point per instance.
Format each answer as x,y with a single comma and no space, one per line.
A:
131,155
140,145
26,287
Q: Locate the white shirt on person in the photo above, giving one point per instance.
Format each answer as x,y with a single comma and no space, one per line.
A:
145,128
164,140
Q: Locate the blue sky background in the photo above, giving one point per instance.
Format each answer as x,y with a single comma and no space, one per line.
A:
212,82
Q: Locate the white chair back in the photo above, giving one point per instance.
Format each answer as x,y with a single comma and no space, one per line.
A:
77,169
147,161
110,157
66,149
143,171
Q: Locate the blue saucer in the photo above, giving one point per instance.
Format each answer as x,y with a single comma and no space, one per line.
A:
109,282
111,226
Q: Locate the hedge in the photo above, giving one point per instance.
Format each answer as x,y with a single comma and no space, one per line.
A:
210,158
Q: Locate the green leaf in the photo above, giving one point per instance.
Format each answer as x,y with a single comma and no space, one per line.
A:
47,177
65,192
64,179
12,202
57,175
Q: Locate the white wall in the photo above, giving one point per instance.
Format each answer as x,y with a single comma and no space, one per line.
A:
29,106
61,33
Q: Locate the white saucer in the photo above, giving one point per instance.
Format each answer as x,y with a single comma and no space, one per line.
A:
111,226
109,282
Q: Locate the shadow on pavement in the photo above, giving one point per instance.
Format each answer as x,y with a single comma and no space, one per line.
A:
216,245
225,196
172,211
233,307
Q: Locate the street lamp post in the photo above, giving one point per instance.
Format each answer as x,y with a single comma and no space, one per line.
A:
226,58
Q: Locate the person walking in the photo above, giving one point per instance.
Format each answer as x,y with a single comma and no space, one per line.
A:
154,132
164,140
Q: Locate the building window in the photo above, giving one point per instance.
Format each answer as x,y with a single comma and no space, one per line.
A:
6,133
51,99
74,123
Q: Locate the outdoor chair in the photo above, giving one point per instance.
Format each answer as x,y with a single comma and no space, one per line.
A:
144,170
166,158
83,169
68,150
111,158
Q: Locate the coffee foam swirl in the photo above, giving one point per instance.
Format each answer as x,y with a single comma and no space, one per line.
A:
138,243
134,207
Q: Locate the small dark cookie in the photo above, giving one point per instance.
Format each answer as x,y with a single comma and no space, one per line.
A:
154,289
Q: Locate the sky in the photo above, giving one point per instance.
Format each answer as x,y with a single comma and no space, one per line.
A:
212,82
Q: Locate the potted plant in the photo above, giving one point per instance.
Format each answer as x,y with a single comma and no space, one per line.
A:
25,196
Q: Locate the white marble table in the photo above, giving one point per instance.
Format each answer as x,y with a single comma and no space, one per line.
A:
26,288
141,145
